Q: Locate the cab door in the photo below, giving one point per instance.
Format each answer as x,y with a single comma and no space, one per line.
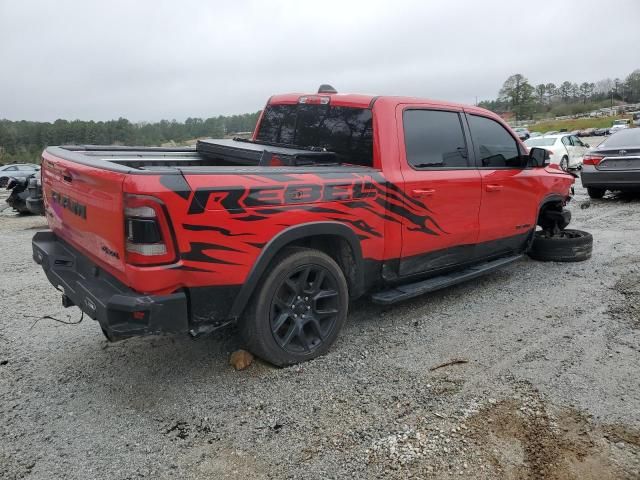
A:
510,191
578,149
441,188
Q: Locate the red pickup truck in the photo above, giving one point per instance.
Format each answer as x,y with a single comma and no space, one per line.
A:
334,196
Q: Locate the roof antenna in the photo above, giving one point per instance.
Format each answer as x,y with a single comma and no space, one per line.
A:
326,88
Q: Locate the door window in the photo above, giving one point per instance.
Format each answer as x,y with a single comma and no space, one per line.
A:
576,142
434,139
566,142
495,147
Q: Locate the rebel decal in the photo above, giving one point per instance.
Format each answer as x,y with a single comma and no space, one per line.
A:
177,184
210,228
360,225
228,224
237,199
196,253
256,244
188,268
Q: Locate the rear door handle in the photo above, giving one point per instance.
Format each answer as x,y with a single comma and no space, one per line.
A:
493,188
422,192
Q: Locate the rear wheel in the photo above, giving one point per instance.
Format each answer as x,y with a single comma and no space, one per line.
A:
566,246
564,163
298,309
595,192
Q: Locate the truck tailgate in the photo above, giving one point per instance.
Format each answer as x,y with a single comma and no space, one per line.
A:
83,206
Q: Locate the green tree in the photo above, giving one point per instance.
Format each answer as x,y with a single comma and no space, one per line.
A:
551,91
518,93
586,90
632,86
564,90
541,92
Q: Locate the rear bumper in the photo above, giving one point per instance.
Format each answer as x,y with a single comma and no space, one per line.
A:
613,180
120,311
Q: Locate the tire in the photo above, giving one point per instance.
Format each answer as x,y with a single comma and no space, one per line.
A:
569,246
291,318
564,163
595,192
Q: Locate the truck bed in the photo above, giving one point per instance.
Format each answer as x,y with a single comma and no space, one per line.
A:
209,155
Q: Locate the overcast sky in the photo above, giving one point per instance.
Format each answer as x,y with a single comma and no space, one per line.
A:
153,59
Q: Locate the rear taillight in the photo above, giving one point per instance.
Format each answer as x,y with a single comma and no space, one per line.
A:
592,159
148,235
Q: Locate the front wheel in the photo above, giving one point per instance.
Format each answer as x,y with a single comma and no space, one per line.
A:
567,246
299,308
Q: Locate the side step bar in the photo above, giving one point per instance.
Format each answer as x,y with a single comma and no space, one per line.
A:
410,290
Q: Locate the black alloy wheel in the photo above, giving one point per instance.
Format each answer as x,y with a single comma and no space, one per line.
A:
304,310
298,308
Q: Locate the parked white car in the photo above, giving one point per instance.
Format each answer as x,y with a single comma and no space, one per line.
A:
619,125
565,150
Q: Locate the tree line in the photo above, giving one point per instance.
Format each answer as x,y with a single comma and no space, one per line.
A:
527,101
23,141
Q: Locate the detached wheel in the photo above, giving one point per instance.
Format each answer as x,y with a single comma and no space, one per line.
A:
568,246
595,192
298,309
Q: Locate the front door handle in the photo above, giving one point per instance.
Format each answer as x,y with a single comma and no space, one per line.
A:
422,192
493,188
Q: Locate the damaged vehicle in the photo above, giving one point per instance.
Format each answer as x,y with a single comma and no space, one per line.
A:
334,197
26,194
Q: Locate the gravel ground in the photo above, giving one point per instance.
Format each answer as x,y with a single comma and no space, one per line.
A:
550,388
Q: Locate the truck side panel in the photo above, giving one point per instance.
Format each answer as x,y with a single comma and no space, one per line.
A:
222,222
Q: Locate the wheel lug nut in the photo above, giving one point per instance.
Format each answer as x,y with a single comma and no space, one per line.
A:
306,299
308,307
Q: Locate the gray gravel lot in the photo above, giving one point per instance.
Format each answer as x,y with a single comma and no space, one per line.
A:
551,388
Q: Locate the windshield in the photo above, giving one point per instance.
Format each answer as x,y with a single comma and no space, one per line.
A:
346,131
540,142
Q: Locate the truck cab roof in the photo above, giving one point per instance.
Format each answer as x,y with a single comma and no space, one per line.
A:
366,100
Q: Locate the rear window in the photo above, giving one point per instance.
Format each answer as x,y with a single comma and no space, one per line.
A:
346,131
540,142
623,138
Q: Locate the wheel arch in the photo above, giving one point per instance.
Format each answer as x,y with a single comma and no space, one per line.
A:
554,202
334,238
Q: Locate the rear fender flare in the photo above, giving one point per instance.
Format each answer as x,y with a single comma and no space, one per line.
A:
284,238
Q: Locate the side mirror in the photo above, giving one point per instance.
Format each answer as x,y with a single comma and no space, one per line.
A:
538,157
587,145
